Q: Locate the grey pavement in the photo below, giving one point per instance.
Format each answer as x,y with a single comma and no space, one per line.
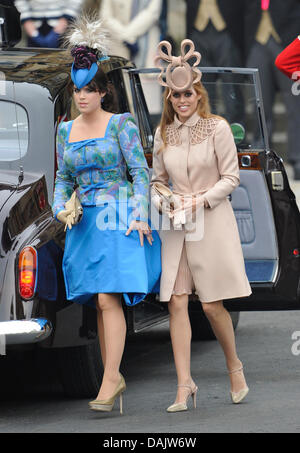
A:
264,341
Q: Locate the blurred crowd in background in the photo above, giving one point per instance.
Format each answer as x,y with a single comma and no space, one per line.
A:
228,33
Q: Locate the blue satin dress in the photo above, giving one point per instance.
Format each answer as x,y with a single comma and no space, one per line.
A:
98,256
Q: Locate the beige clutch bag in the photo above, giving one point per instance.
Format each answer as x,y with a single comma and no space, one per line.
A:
169,198
73,205
164,192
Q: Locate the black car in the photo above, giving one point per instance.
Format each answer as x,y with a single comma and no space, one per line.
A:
35,96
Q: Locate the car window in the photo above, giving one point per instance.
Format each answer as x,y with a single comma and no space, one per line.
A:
13,131
233,94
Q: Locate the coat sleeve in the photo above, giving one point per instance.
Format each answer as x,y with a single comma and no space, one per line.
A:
288,61
24,8
227,161
138,26
133,153
73,9
160,173
113,25
144,20
64,182
32,10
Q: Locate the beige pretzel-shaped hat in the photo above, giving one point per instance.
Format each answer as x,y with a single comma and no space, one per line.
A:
179,73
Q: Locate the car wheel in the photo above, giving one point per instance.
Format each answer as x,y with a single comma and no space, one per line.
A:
81,370
201,328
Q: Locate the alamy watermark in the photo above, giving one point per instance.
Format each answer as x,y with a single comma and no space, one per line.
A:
296,345
118,213
296,85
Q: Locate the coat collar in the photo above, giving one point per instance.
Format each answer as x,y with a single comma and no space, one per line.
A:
192,121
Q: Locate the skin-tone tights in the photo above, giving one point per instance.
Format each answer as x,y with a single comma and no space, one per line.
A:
180,331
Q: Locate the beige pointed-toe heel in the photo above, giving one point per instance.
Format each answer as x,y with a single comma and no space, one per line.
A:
237,397
182,406
108,404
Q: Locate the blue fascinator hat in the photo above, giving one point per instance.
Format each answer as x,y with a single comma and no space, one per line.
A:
85,65
88,44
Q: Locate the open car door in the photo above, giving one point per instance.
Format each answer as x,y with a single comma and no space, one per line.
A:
264,205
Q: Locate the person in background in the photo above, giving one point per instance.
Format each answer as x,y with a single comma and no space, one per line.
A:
288,61
270,25
134,31
216,28
133,27
91,6
45,22
163,20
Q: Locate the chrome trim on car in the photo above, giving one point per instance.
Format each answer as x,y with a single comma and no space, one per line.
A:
25,331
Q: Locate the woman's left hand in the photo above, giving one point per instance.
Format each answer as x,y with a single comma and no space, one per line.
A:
61,26
195,204
142,228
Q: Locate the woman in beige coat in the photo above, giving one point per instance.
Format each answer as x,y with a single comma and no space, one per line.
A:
195,154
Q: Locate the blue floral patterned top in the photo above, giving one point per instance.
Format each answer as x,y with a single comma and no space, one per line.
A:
100,165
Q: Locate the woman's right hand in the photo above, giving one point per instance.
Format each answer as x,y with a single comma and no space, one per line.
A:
166,207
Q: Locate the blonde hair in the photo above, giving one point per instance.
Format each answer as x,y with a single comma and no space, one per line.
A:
168,112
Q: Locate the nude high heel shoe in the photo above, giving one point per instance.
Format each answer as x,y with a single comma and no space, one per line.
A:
237,397
108,404
179,407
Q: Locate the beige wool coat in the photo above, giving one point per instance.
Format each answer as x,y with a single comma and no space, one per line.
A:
116,15
201,157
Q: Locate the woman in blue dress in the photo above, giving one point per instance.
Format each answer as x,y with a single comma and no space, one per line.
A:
106,257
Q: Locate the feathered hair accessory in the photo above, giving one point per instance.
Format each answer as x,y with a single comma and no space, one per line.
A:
88,43
179,75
